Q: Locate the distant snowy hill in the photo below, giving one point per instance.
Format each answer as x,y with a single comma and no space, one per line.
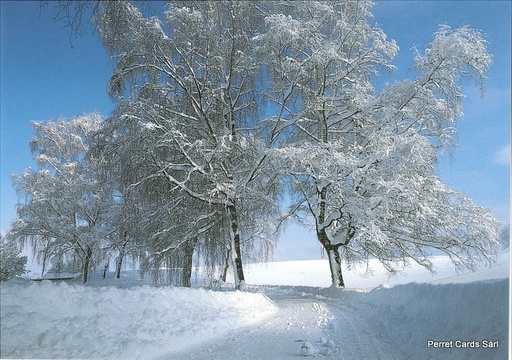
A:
316,273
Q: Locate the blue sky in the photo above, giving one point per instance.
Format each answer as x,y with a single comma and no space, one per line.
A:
47,74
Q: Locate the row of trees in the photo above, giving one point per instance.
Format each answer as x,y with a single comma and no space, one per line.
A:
224,107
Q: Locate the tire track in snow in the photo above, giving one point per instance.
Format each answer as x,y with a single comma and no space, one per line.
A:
274,338
301,316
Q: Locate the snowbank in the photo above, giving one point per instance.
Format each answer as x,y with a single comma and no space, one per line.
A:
59,320
463,320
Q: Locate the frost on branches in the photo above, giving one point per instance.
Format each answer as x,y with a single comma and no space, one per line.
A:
66,201
221,106
11,263
188,108
362,164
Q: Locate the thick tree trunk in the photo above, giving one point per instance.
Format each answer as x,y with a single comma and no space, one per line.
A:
237,260
86,262
335,266
187,262
334,258
238,264
332,250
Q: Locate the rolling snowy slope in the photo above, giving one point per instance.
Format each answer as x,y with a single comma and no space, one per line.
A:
316,273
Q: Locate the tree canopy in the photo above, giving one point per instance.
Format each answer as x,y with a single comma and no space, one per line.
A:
223,107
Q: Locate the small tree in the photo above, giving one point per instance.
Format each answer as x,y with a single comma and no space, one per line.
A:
11,263
65,203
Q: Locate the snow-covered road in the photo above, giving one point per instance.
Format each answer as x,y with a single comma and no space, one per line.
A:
382,323
297,319
304,315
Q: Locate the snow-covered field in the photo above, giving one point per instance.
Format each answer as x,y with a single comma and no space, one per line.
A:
288,312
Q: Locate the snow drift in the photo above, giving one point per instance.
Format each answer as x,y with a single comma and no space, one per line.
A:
471,317
60,320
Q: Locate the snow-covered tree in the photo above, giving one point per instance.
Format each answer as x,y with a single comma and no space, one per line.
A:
505,236
190,92
11,263
64,205
207,96
362,163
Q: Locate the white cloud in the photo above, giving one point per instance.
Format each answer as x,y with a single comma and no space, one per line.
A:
502,156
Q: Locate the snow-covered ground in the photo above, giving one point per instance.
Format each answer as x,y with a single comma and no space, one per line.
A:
288,312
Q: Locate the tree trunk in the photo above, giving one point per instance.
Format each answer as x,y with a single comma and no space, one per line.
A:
237,260
187,262
119,262
238,264
226,266
87,260
335,266
334,258
105,269
44,263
